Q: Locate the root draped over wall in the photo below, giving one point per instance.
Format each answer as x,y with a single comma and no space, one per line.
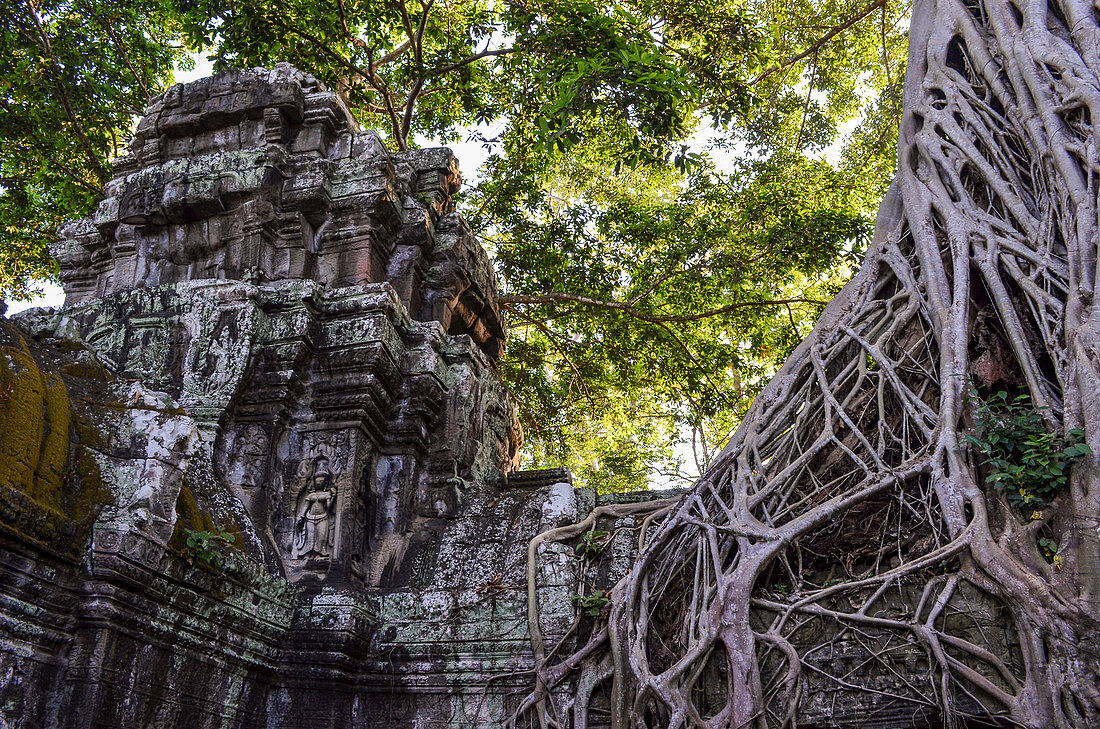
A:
849,496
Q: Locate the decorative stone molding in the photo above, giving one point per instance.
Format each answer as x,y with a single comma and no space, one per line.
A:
259,176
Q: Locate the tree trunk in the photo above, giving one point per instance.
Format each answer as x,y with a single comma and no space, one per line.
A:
853,463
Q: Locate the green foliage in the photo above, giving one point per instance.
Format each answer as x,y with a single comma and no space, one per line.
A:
721,273
207,548
592,604
651,289
1026,460
592,543
72,77
408,67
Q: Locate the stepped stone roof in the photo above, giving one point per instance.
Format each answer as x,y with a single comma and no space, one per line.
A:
264,175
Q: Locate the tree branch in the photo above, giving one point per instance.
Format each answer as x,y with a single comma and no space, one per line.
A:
118,44
93,159
468,60
364,46
822,42
555,340
376,81
392,55
628,307
44,148
417,38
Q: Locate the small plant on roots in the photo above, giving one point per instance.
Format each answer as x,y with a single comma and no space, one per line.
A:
1027,462
593,603
1049,549
592,543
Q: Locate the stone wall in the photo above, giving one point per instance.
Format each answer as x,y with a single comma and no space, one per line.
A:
131,633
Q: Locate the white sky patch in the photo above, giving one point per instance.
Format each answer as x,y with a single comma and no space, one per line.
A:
51,296
203,67
726,153
472,148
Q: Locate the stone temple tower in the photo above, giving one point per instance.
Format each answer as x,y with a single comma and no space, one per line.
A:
315,302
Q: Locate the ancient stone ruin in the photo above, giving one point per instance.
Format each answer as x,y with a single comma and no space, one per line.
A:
275,327
318,309
278,331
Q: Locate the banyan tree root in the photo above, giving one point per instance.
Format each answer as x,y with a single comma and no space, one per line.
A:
848,514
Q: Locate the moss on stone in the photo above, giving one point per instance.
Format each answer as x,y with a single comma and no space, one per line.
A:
87,433
48,485
44,448
87,368
189,517
235,531
84,504
22,396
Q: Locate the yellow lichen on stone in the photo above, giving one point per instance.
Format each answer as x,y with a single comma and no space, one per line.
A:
22,415
234,530
93,493
35,415
189,517
87,368
53,458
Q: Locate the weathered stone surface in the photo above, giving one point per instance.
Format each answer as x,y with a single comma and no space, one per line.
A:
262,175
338,424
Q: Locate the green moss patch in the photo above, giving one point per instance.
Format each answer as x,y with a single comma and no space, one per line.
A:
50,482
34,428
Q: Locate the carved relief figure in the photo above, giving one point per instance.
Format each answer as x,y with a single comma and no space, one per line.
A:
315,517
248,456
309,504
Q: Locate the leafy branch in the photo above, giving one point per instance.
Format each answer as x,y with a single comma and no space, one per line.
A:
1027,462
628,307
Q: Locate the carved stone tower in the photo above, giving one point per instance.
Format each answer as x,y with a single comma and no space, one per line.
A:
316,303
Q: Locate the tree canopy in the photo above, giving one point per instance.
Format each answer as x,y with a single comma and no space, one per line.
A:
905,520
72,77
651,284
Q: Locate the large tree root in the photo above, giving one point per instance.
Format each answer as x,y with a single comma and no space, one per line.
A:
847,503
